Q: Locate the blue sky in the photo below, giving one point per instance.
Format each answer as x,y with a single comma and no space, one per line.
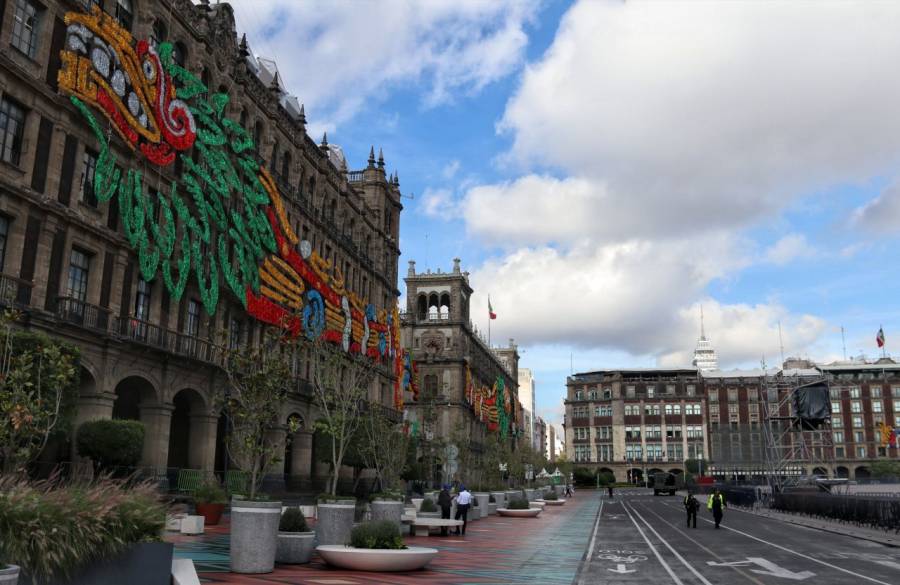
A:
604,169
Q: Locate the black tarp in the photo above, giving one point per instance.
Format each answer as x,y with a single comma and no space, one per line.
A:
812,405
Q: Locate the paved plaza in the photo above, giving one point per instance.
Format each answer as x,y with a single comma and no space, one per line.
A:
633,538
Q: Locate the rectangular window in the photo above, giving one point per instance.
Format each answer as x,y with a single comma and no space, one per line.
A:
839,452
689,390
838,436
732,395
124,13
603,410
855,406
877,406
12,127
142,301
714,411
88,195
834,392
835,407
713,395
861,452
629,391
234,333
604,452
875,392
607,393
192,325
859,437
26,26
4,235
651,391
837,423
79,270
896,405
854,392
670,388
858,422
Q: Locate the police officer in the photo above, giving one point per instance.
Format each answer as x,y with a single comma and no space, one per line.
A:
691,505
716,505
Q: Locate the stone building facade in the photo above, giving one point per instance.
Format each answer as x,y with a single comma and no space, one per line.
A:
457,371
66,261
625,421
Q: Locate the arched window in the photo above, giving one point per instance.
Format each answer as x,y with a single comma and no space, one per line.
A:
286,167
179,53
243,118
332,210
422,308
368,245
300,183
445,312
432,313
273,161
124,13
351,229
312,190
158,34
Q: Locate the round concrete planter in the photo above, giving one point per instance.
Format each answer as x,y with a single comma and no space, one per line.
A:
254,536
536,505
295,548
9,575
387,510
334,522
483,501
554,502
492,508
378,560
499,498
529,513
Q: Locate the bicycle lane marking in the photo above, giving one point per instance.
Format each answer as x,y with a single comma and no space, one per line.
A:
797,553
658,556
684,535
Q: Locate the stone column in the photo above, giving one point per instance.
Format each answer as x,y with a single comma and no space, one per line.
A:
90,407
301,454
157,421
202,442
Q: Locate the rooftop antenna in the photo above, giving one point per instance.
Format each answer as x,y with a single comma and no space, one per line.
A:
571,363
844,343
781,342
702,329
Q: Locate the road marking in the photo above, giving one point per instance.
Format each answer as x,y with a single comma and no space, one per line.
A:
594,535
800,554
674,552
653,548
700,545
769,567
621,570
890,564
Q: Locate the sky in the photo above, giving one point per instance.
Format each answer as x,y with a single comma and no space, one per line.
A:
606,169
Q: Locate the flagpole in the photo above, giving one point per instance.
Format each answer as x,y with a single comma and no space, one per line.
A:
489,330
883,341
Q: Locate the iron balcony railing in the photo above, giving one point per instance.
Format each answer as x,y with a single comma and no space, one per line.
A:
14,292
84,314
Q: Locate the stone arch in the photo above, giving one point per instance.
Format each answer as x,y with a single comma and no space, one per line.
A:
842,471
190,435
636,475
676,471
422,306
862,472
654,470
820,471
132,393
445,306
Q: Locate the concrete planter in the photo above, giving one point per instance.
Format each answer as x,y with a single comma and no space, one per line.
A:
295,548
529,513
483,501
417,502
554,502
511,495
536,505
9,575
148,563
500,498
211,513
559,489
378,560
492,508
387,510
254,536
334,522
428,515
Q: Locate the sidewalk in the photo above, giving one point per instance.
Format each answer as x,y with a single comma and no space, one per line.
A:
879,536
545,550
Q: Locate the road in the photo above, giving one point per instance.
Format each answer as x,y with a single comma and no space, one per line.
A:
639,538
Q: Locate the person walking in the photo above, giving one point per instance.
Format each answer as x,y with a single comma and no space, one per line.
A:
463,501
716,505
445,502
610,489
568,491
691,505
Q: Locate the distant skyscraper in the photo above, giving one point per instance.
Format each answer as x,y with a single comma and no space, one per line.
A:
705,357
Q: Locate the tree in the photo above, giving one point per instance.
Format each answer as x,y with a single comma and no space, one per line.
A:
886,469
340,382
385,447
259,381
111,443
37,382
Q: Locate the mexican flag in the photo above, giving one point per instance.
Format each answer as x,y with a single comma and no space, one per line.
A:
493,315
879,339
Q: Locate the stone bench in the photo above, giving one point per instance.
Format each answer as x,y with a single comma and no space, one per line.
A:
429,523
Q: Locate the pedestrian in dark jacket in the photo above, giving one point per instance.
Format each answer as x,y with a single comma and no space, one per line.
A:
445,501
691,505
610,488
716,505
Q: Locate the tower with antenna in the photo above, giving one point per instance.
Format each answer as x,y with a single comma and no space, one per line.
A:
705,357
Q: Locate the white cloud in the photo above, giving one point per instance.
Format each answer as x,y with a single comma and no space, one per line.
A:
438,203
339,56
882,214
449,171
789,248
686,116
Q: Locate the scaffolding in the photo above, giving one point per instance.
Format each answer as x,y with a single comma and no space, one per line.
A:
790,444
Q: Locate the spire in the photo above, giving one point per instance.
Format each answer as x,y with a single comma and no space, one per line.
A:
380,158
245,50
276,84
396,178
302,117
324,144
702,329
372,157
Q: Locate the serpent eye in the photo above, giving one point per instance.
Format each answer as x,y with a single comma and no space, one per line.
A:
149,70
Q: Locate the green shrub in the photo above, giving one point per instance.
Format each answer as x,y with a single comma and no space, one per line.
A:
551,495
210,492
111,443
293,520
518,504
51,530
584,476
428,505
382,534
387,495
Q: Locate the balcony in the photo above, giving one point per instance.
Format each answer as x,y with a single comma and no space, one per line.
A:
395,416
14,292
182,344
78,312
355,176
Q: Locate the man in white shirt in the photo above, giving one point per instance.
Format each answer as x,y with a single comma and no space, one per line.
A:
463,502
